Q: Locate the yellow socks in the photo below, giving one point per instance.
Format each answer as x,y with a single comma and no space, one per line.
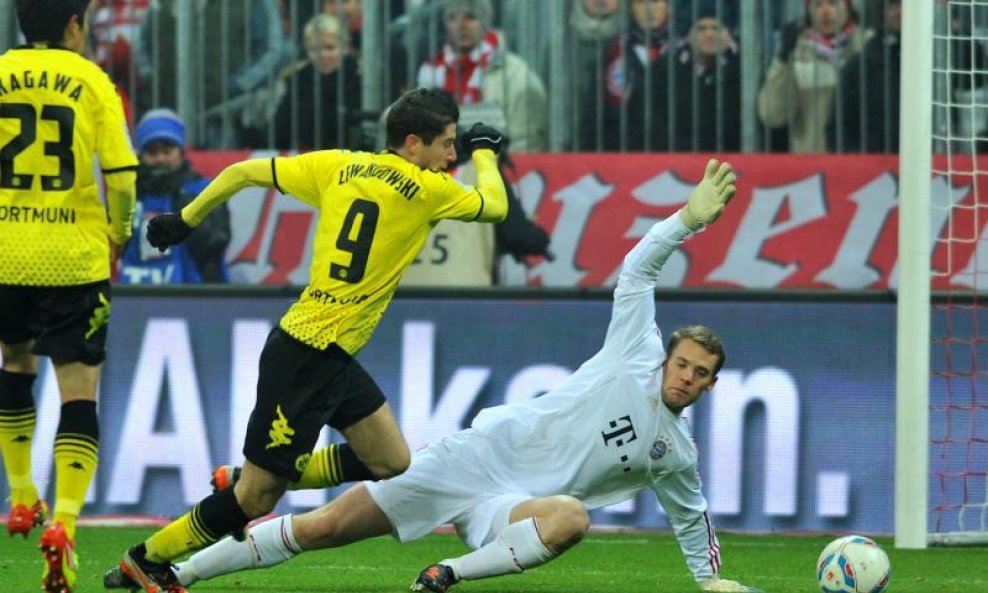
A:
213,518
76,457
17,421
330,467
324,470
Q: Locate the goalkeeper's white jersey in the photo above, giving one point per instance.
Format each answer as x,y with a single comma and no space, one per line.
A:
604,434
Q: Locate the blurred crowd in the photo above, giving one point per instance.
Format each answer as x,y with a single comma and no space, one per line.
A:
573,75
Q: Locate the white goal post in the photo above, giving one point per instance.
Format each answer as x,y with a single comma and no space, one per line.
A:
913,298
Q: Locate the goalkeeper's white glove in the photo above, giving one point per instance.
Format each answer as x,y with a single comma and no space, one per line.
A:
720,585
710,196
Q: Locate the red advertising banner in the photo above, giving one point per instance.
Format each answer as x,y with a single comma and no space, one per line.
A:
818,222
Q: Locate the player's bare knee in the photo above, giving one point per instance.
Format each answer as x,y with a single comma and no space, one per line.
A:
571,520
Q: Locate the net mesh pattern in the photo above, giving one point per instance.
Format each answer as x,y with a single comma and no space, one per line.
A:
959,199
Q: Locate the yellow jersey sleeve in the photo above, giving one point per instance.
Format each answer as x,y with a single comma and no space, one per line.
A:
117,162
306,176
487,202
112,137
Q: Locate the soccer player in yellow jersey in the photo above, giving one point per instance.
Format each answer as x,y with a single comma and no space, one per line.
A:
58,112
375,213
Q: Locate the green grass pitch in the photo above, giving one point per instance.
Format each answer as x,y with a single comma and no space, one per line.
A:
606,563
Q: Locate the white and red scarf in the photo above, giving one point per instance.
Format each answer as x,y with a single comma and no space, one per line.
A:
647,47
461,74
831,46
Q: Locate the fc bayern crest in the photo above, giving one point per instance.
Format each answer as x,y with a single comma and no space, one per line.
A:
659,449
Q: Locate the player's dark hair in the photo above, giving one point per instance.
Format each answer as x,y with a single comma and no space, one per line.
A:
423,112
703,336
46,20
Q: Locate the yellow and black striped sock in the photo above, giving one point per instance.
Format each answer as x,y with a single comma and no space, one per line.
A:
76,457
17,420
331,466
213,518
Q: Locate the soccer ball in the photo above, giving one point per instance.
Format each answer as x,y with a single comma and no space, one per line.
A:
852,564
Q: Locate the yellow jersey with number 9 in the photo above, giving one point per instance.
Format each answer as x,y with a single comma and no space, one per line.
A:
57,110
375,213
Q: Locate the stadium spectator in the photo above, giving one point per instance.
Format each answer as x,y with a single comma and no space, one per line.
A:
325,92
58,241
253,53
314,96
369,230
527,473
475,66
705,110
868,110
647,39
594,27
166,182
801,82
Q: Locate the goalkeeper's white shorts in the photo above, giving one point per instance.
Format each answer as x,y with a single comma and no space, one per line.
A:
446,483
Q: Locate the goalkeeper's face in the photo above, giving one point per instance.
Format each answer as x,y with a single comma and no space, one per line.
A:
688,373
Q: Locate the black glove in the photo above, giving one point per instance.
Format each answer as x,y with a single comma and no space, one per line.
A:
481,136
166,230
788,37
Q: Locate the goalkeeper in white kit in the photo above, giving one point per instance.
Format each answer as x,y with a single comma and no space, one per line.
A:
528,473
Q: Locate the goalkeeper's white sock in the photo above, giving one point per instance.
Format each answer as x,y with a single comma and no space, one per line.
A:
516,548
268,543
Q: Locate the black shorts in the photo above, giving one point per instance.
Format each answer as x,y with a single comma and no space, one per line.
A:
67,323
299,390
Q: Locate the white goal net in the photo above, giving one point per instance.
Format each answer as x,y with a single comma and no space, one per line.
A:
958,402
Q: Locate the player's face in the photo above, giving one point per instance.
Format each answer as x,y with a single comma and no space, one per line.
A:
688,373
324,53
464,30
650,14
441,153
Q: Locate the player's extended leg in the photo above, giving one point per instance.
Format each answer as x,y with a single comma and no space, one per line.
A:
17,421
228,511
76,441
350,518
539,530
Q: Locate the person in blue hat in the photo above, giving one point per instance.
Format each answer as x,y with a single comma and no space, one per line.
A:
166,182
